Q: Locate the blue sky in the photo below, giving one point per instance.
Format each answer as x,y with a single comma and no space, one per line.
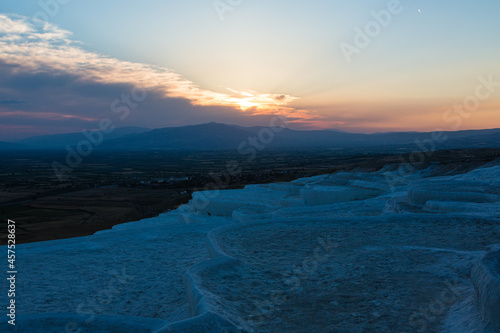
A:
263,58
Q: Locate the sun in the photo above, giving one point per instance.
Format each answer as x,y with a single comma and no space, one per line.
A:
246,104
253,102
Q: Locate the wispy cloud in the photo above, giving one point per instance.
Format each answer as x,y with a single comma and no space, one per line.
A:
44,115
39,49
16,26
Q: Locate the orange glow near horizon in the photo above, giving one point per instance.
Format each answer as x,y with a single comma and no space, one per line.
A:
359,106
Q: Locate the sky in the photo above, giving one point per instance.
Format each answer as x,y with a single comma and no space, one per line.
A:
358,66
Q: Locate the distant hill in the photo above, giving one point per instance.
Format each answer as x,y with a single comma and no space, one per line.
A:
216,136
206,136
60,141
213,136
11,146
486,140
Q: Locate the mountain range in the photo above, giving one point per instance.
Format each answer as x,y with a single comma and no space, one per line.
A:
216,136
60,141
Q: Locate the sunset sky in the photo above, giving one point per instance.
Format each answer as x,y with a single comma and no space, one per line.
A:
178,62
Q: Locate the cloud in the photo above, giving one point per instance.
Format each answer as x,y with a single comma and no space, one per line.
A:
41,58
11,101
9,26
43,115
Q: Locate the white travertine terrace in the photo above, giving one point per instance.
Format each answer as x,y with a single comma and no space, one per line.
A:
334,253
